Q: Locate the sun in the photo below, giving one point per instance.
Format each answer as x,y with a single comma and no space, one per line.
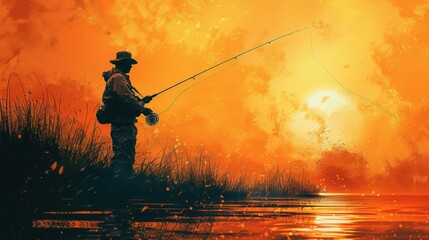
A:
327,101
325,123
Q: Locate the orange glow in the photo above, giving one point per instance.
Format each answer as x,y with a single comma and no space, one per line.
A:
275,105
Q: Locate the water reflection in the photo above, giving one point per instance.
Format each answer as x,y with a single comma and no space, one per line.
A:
328,217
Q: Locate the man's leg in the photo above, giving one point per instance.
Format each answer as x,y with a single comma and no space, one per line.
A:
124,143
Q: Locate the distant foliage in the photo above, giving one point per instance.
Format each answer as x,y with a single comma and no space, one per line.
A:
343,171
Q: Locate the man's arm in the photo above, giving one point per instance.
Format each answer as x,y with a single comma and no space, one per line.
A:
121,88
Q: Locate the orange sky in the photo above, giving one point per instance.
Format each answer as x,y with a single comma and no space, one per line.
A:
275,105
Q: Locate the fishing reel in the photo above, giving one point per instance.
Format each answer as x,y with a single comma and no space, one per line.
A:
152,119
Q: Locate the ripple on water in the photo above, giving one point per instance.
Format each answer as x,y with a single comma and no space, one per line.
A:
353,216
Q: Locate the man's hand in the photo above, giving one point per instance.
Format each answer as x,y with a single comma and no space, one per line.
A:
147,99
147,111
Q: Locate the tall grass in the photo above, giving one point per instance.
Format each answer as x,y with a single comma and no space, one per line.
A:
188,178
47,155
279,182
43,155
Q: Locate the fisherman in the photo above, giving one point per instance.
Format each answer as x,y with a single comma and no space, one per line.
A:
119,97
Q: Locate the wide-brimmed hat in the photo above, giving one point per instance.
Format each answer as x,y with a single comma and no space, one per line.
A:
123,56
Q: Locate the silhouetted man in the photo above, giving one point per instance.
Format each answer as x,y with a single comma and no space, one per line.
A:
120,99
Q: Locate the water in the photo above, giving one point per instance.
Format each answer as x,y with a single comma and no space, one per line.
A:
333,216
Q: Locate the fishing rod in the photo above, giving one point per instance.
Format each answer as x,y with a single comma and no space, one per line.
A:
153,118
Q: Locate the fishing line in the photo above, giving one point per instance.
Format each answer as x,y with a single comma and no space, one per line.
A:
392,115
202,80
186,89
153,118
